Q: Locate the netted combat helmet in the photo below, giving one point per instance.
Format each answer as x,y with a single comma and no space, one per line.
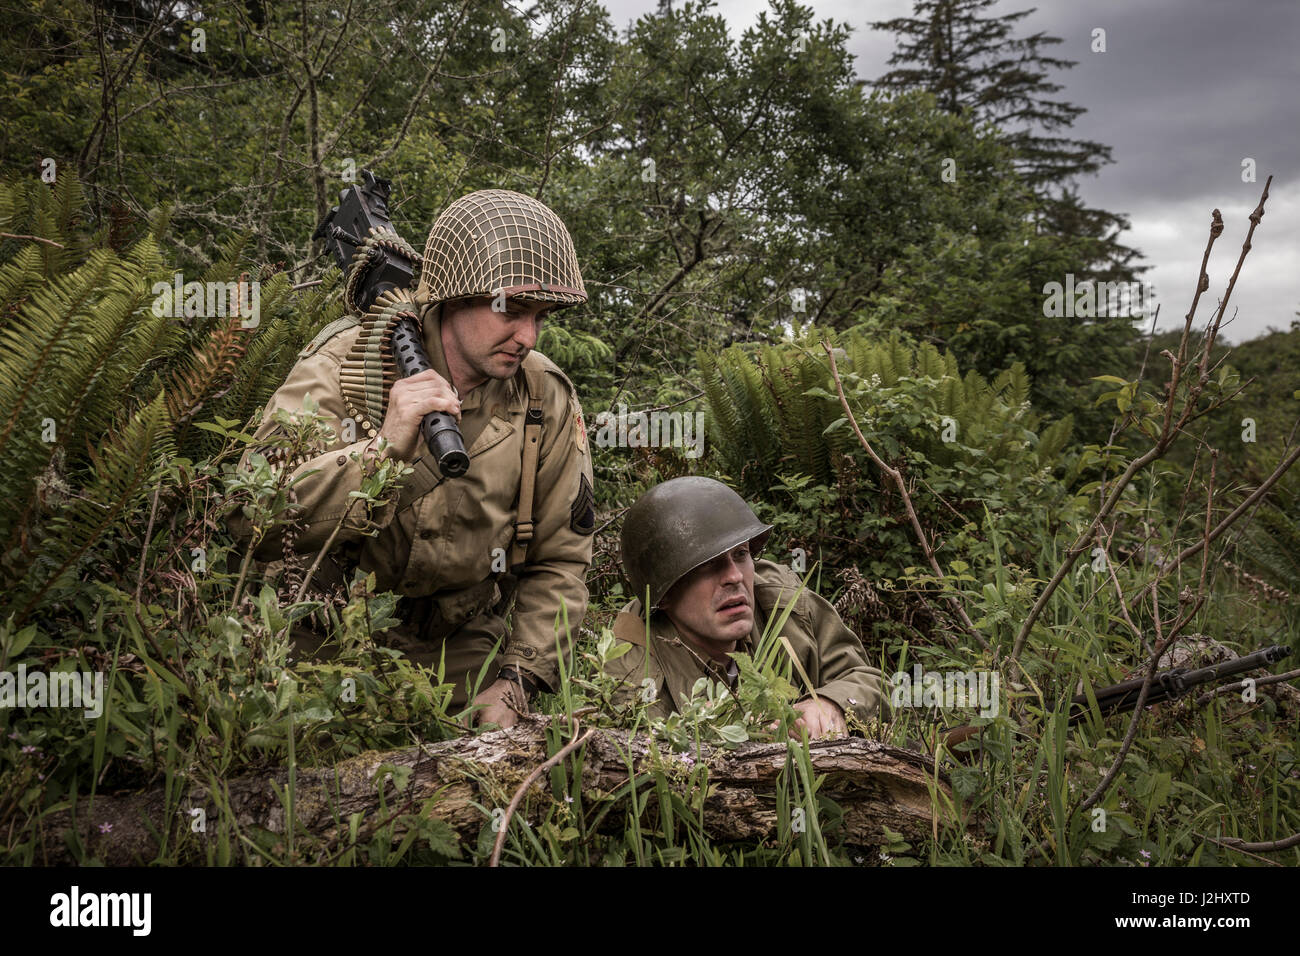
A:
496,241
679,525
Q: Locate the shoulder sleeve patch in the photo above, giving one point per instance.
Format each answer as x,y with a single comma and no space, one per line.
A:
582,514
579,424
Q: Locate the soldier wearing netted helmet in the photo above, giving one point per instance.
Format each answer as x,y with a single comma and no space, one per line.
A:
689,550
519,523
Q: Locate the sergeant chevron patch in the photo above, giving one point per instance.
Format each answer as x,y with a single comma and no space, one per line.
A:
582,516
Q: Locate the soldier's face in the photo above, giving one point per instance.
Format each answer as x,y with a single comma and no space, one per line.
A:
488,343
713,606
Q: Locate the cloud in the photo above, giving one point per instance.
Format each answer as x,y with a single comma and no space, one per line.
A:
1173,235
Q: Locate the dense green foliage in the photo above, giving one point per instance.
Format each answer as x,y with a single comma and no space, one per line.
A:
737,206
982,456
716,188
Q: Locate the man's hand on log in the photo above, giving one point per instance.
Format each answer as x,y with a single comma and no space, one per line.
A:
500,703
821,718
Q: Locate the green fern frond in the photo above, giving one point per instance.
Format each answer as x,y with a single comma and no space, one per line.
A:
119,471
193,383
1052,441
34,349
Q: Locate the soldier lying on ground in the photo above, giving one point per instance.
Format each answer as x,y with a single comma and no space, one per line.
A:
688,547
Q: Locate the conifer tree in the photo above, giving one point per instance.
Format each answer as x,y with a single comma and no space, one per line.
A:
975,64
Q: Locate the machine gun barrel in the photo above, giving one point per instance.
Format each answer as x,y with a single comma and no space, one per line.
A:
1171,684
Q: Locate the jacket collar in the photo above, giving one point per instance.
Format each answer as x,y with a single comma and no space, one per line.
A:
681,663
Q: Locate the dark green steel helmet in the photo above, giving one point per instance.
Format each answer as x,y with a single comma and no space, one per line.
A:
676,526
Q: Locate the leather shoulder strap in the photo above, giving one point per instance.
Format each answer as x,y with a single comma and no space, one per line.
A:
327,333
535,383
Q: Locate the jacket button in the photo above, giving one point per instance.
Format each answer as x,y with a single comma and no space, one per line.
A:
527,652
426,533
341,460
409,585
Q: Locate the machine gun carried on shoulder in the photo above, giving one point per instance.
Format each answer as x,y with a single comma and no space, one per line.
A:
375,259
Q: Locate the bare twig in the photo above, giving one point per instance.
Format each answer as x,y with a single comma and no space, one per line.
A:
144,548
1232,843
1154,662
560,754
1123,605
1109,777
1170,429
48,242
324,550
897,478
1192,550
1213,330
1241,685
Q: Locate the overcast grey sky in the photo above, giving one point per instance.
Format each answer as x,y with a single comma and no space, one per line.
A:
1185,91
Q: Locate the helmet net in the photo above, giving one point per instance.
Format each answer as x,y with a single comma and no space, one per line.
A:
497,241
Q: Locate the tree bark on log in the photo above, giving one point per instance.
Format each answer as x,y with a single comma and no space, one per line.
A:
876,786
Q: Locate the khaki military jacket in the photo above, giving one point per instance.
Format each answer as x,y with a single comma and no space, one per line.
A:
830,653
450,538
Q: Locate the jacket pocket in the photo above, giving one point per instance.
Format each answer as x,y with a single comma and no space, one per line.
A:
482,518
461,606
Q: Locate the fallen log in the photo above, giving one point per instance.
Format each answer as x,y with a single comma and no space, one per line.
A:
876,786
